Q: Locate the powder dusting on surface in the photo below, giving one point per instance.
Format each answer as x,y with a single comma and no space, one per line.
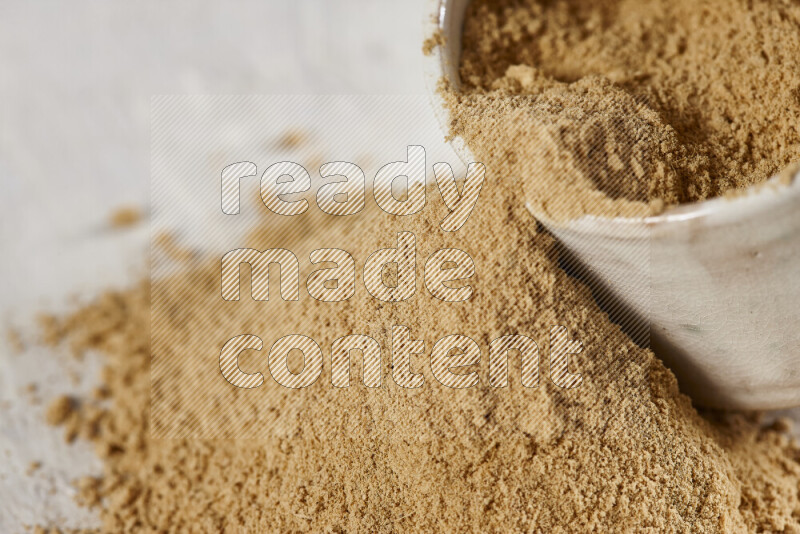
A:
625,452
652,102
59,410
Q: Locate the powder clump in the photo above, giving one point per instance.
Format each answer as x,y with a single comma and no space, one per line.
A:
125,216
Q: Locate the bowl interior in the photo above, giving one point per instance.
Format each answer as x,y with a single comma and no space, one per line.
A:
448,19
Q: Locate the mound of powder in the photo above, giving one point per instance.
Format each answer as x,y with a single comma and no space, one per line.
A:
654,101
625,452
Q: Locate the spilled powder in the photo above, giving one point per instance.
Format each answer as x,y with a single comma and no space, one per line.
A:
437,39
125,216
33,467
624,107
625,452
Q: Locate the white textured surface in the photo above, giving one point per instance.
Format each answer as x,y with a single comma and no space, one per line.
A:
76,80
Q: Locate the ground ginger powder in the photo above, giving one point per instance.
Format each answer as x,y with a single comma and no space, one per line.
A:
625,452
612,104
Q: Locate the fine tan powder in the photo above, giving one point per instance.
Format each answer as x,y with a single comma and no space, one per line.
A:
655,101
633,105
625,452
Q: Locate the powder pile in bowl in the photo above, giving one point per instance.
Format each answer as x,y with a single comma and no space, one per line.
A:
629,102
629,454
